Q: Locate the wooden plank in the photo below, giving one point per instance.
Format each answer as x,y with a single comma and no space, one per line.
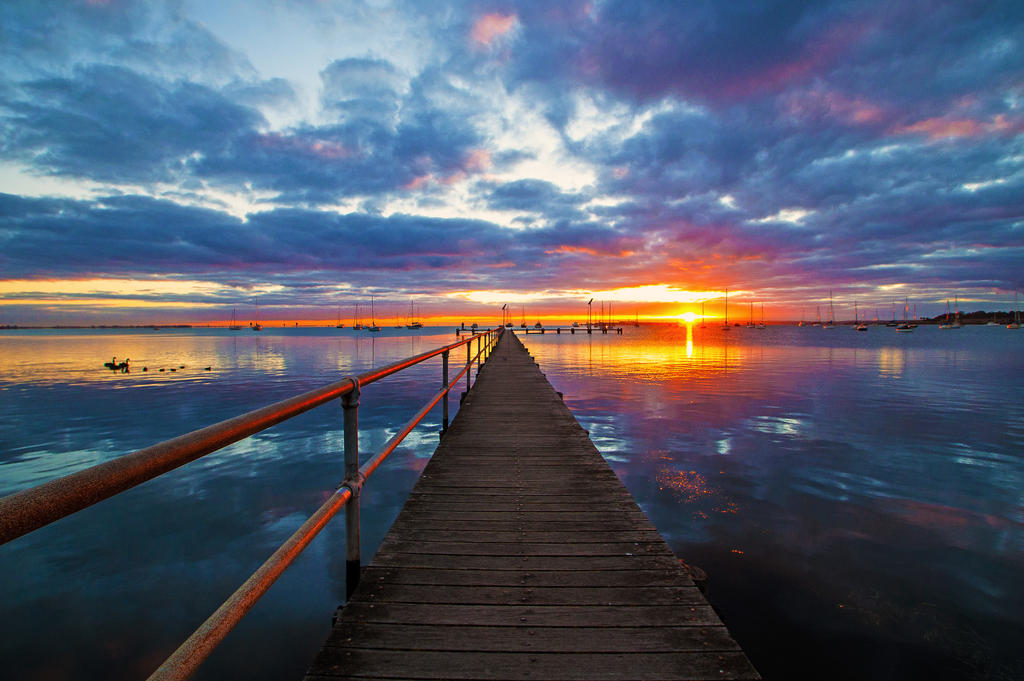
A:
419,664
543,578
523,548
574,495
572,563
531,615
513,639
602,515
513,524
520,555
385,592
405,532
510,506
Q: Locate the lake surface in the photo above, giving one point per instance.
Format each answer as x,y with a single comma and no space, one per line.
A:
857,499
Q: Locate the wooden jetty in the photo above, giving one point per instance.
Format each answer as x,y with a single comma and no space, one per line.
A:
520,555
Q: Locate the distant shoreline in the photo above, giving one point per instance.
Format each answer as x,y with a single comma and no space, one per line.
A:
977,318
99,326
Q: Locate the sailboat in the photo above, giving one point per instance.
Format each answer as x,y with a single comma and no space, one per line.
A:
522,325
357,323
893,322
1015,324
702,324
904,327
831,323
750,324
373,324
340,325
761,325
725,326
956,313
256,326
235,326
413,323
946,324
860,326
636,318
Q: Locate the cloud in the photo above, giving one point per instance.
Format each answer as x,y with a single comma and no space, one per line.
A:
137,235
782,144
112,124
945,128
52,37
358,89
490,27
535,196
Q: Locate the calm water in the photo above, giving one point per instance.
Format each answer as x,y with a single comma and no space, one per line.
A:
857,499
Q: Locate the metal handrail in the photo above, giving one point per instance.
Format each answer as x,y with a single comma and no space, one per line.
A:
28,510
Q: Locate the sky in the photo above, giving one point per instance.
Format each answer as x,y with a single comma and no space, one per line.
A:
168,162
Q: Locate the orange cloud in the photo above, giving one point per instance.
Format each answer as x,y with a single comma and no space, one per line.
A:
491,26
417,182
324,149
944,128
588,251
478,160
819,101
329,150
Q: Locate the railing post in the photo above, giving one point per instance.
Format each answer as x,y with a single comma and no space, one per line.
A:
469,362
478,339
350,407
444,378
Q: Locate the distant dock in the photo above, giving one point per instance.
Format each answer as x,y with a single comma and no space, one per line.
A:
520,555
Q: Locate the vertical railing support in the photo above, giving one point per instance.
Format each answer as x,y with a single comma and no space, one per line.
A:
469,362
444,384
350,408
478,340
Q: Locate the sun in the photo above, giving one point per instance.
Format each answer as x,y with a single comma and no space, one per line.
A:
688,317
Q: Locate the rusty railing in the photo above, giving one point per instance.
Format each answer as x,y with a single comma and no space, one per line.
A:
31,509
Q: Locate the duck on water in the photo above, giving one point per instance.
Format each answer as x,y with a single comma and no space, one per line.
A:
114,365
